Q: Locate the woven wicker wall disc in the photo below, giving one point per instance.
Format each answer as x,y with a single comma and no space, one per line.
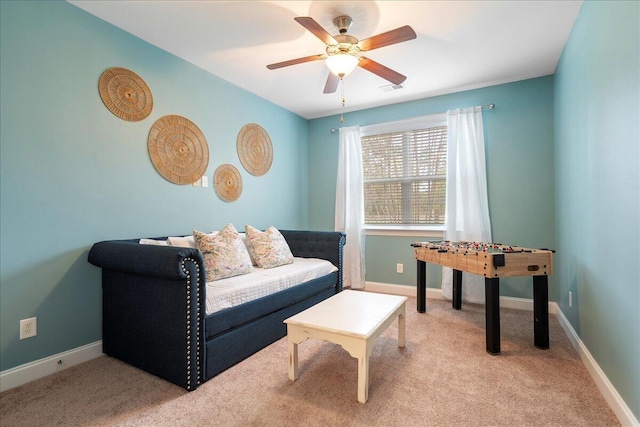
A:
178,149
255,150
227,182
125,94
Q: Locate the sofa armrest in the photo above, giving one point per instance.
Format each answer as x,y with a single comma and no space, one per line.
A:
146,260
154,300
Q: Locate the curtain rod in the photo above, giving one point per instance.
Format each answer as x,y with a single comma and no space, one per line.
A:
489,106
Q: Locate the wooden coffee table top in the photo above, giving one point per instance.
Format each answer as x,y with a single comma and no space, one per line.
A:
352,313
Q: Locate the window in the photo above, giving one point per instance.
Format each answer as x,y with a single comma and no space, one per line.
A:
404,167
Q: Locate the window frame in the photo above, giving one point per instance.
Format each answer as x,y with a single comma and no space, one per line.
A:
414,123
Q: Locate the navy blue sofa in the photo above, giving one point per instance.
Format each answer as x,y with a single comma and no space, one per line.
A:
154,306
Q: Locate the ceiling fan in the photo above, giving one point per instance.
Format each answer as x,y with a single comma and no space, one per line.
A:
344,51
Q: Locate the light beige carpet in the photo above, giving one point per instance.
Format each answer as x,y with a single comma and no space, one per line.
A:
443,377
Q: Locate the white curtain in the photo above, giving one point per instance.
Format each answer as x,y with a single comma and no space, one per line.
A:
467,206
350,206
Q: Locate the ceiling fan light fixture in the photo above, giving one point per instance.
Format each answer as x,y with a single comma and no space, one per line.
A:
343,51
342,64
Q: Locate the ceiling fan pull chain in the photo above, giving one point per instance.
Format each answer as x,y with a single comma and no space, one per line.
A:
343,100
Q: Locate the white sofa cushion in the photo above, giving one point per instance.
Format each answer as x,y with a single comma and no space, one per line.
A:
153,242
233,291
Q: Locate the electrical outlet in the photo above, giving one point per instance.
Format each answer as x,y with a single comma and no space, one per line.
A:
205,181
399,268
570,299
28,328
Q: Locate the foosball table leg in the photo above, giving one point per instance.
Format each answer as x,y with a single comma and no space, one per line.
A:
421,287
540,312
456,290
492,314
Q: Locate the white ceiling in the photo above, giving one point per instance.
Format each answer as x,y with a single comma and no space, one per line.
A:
460,45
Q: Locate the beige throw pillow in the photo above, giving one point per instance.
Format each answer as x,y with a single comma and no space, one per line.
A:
224,253
268,248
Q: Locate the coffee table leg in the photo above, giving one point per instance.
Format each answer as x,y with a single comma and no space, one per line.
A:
363,378
402,327
293,360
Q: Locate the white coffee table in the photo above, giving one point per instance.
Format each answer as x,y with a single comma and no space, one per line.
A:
353,319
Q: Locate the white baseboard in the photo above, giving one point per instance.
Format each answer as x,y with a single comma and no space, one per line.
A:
609,392
28,372
617,404
432,293
404,290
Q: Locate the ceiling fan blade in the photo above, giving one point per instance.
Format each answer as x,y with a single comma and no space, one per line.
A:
317,30
332,83
382,71
296,61
398,35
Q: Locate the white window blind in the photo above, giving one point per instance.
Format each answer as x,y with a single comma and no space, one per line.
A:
404,172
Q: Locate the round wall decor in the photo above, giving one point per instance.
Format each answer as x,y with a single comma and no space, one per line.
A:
125,94
178,149
255,150
227,182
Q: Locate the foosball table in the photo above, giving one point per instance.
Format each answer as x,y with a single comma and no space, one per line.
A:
493,261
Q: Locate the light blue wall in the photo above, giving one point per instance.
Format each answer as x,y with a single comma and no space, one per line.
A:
597,150
519,153
73,173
